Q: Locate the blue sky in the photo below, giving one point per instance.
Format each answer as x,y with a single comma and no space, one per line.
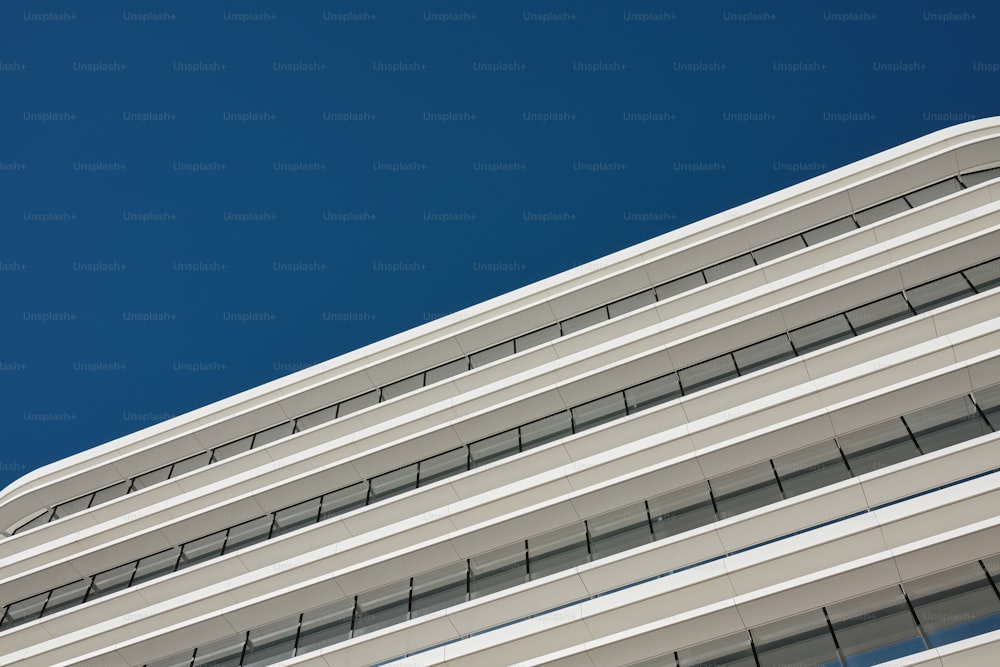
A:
199,197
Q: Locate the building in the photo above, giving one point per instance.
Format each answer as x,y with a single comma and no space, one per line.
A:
769,437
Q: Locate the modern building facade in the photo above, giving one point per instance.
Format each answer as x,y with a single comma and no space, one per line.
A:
767,438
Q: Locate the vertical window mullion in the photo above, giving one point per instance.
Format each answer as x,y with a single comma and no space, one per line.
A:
916,619
836,642
989,578
913,438
649,520
781,489
843,457
246,642
586,532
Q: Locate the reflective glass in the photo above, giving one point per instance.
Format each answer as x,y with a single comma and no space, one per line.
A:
617,531
440,588
654,392
179,660
820,334
202,549
150,478
882,211
295,517
954,604
494,447
665,660
946,424
358,403
443,465
316,418
530,340
977,177
877,446
988,400
557,550
879,314
932,192
599,411
404,386
67,596
156,565
37,521
584,320
803,639
112,580
630,303
271,643
729,267
190,463
248,533
875,628
680,285
829,230
707,373
684,509
497,570
72,507
109,493
232,449
810,468
274,433
993,567
393,483
939,292
223,653
731,651
763,354
324,626
545,430
24,610
382,607
745,489
779,249
446,371
344,500
491,354
985,276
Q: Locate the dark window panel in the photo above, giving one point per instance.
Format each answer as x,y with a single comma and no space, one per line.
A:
440,588
109,493
993,567
679,286
443,465
23,611
877,446
535,338
829,230
248,533
72,507
988,400
150,478
223,452
984,276
820,334
763,354
939,293
630,303
557,550
316,418
810,468
324,626
654,392
393,483
803,639
156,565
879,314
779,249
382,607
344,500
37,521
297,516
401,387
498,570
271,643
599,411
875,628
881,212
665,660
491,354
190,463
278,432
545,430
494,447
730,651
977,177
67,596
946,424
110,581
178,660
745,489
684,509
707,373
728,268
955,604
361,402
620,530
202,549
584,320
445,371
223,653
932,192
